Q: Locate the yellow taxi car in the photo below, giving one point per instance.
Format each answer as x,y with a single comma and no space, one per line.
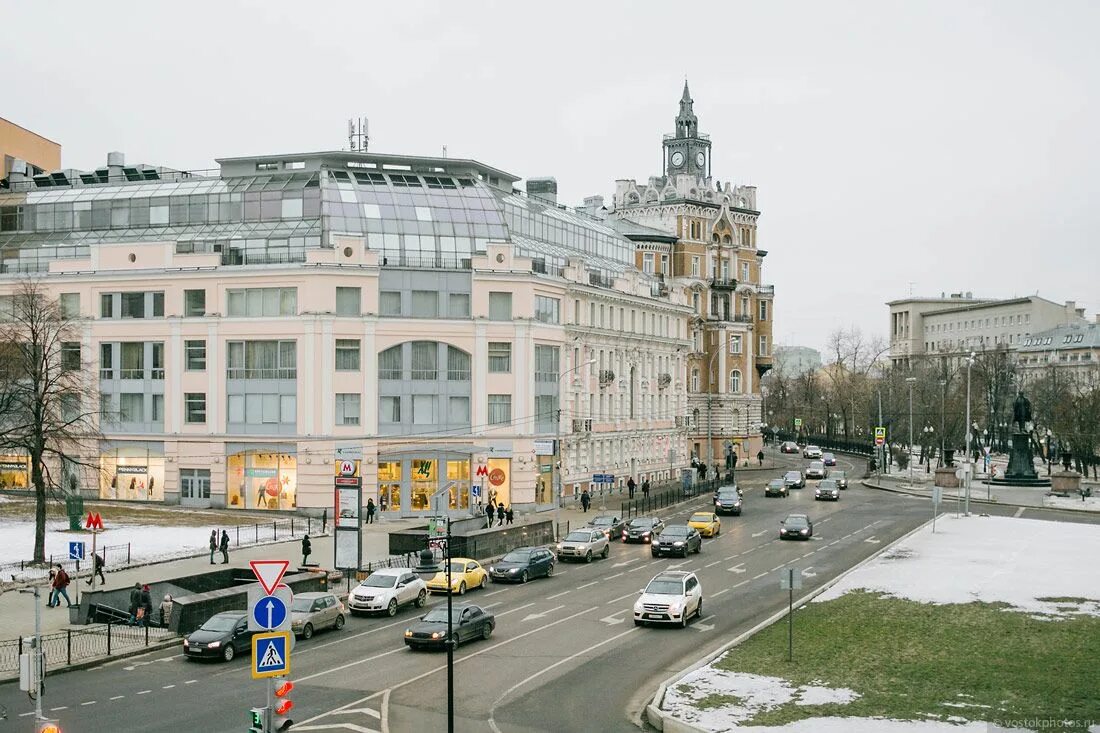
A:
465,574
708,523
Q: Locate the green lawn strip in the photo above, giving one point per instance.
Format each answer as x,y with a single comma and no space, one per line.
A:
906,658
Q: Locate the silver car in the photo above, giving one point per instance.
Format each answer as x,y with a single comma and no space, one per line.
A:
840,477
584,544
312,611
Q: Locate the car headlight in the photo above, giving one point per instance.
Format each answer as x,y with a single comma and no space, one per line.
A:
513,571
674,609
559,548
645,535
437,634
493,569
655,541
782,531
186,643
214,645
805,531
737,503
677,544
408,633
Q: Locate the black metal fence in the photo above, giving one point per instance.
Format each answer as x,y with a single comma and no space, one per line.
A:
75,645
667,495
828,443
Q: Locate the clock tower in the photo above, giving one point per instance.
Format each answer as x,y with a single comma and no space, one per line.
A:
686,151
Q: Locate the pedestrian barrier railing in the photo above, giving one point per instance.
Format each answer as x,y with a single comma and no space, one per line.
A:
72,646
667,495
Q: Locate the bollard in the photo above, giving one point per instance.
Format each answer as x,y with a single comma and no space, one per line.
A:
238,531
292,526
68,646
147,632
127,553
257,528
275,530
108,638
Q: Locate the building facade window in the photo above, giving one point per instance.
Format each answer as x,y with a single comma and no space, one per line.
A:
694,380
648,262
500,357
70,305
70,356
347,409
425,304
132,471
763,351
389,303
349,301
347,355
735,381
262,360
500,306
695,267
763,310
735,343
500,409
194,407
194,303
264,478
194,483
268,302
547,310
458,305
194,355
389,409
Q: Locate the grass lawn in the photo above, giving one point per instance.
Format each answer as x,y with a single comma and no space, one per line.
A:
906,658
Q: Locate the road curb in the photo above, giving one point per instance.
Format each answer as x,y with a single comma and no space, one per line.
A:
927,495
663,722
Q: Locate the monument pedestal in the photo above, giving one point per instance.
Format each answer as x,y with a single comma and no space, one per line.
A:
1021,469
946,478
1065,482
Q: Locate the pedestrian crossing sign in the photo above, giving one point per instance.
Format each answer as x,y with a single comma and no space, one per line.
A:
270,654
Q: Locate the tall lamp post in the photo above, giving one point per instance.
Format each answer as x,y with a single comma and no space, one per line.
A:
928,431
969,457
910,381
943,404
428,569
555,466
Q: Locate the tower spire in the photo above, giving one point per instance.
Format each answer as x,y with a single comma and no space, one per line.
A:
687,124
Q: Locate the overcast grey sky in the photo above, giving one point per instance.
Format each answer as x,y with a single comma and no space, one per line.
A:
938,146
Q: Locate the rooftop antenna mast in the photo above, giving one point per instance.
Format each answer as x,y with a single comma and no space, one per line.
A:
358,134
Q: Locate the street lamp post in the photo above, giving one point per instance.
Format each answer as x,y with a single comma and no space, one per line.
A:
927,443
909,381
428,569
969,458
555,466
943,403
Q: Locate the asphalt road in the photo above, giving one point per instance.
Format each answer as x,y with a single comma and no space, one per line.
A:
565,655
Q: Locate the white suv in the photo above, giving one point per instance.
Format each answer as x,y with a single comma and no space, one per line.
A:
672,597
387,589
583,544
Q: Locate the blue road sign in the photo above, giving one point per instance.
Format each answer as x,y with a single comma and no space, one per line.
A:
475,491
269,612
603,478
271,654
76,550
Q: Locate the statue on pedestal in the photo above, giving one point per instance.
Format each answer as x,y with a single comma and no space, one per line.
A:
1021,412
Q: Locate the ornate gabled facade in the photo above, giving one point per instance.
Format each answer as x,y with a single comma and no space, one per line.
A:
714,254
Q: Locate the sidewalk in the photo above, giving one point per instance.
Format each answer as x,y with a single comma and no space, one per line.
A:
1023,496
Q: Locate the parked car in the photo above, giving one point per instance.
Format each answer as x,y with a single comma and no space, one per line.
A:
788,446
828,459
609,524
522,564
794,480
672,597
468,622
223,636
642,529
313,611
841,478
817,470
708,523
796,527
728,500
676,539
584,544
777,487
465,574
827,489
387,589
811,451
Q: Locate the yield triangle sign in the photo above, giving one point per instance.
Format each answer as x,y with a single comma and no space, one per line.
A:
269,573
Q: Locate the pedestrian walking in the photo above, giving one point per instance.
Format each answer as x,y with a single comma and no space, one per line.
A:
97,569
60,584
51,597
509,514
370,511
586,500
307,547
324,521
135,604
224,547
489,515
146,611
630,486
500,514
213,544
166,610
645,489
760,457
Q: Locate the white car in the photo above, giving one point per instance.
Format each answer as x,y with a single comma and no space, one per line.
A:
672,597
387,589
811,451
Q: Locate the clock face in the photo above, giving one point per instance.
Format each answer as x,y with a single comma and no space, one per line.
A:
677,159
700,159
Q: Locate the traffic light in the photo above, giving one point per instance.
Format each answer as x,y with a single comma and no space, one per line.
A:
47,726
256,718
283,706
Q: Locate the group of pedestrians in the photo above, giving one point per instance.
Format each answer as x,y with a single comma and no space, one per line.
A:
221,544
141,607
631,485
503,515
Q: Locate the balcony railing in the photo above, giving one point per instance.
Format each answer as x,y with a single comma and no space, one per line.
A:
428,260
582,426
742,318
723,283
766,289
246,373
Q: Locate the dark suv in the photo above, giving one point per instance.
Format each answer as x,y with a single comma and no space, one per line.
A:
642,529
677,539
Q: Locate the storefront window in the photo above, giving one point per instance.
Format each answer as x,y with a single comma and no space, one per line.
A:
423,484
132,473
15,473
499,486
544,487
261,480
389,485
458,484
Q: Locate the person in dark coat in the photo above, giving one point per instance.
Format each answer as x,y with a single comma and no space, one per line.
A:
489,515
135,603
586,500
630,486
307,547
146,606
224,547
370,511
645,488
760,457
500,514
97,569
213,544
509,514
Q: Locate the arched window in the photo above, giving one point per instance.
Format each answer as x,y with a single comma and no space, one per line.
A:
695,417
727,239
694,380
714,237
735,381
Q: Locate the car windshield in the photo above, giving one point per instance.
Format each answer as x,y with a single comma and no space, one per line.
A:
775,482
578,537
517,556
817,464
827,484
701,517
793,475
440,614
840,474
643,522
795,521
603,521
379,581
302,605
220,623
458,567
812,447
830,456
665,587
727,494
675,531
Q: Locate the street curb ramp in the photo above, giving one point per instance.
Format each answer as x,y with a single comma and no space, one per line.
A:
664,722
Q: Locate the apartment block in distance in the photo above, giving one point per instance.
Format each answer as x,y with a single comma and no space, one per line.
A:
26,151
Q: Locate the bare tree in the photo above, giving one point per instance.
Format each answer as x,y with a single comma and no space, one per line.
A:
46,395
853,357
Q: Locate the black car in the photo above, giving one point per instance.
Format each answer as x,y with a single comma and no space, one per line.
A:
788,446
840,477
642,529
611,525
796,527
777,487
728,500
223,636
522,564
677,539
794,480
827,489
467,622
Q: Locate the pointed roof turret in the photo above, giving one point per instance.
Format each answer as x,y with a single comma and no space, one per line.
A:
687,124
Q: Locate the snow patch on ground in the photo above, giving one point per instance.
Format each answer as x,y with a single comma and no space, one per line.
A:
993,560
1090,504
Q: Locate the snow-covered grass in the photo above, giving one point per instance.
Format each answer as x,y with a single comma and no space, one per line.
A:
1090,504
945,632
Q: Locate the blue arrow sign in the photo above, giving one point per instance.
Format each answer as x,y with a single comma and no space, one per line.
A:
270,654
269,612
76,550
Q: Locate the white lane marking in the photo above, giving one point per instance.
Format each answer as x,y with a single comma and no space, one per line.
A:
345,726
834,542
738,568
621,598
872,540
167,687
739,584
23,715
616,575
513,610
357,662
144,692
612,619
809,553
530,616
777,567
118,697
712,564
640,567
1018,513
558,595
757,577
368,711
66,707
493,593
586,585
822,521
700,626
760,533
521,683
751,549
733,556
189,682
720,592
90,702
625,562
807,572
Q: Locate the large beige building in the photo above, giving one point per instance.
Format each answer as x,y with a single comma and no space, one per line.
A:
460,335
29,151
